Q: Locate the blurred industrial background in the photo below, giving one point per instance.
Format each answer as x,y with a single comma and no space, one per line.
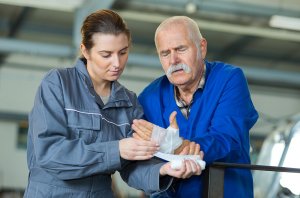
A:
260,36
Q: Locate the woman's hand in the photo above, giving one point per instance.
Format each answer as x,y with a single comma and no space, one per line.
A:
134,149
188,168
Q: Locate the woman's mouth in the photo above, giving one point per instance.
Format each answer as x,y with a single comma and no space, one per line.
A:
115,72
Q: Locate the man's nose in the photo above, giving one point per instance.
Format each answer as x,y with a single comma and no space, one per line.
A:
174,58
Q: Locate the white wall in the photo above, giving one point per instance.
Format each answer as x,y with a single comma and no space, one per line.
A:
17,89
13,169
273,105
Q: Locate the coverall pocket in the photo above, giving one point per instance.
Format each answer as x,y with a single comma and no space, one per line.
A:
84,125
88,136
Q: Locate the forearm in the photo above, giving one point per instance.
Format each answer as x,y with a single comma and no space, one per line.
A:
218,147
145,175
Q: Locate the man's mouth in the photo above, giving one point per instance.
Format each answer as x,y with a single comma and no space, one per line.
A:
177,70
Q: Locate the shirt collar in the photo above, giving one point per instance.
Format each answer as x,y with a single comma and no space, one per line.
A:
184,108
202,81
81,67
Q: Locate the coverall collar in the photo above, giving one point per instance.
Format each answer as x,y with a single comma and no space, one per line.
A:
118,96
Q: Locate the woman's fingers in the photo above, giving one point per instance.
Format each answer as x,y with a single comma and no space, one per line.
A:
134,149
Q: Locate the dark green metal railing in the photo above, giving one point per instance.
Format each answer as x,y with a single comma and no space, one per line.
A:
214,176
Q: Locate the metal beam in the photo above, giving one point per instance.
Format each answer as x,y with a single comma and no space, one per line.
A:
260,9
82,12
248,8
20,46
15,27
259,75
12,116
66,5
219,26
234,48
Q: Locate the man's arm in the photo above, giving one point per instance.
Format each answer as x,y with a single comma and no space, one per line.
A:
227,136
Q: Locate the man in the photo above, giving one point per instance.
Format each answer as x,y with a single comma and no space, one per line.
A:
213,105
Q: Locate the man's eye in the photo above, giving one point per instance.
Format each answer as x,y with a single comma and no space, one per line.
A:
181,49
164,54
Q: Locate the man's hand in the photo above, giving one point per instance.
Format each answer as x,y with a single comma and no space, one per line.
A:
133,149
143,129
189,168
173,121
188,148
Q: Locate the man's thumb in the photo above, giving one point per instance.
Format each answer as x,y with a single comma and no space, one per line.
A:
173,121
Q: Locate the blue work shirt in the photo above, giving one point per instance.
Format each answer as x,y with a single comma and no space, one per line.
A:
73,138
220,118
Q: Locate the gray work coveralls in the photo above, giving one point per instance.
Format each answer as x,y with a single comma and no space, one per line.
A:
73,139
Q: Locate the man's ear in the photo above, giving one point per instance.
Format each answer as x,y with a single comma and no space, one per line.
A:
203,46
84,51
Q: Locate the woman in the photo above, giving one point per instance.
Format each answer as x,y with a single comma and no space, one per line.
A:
80,125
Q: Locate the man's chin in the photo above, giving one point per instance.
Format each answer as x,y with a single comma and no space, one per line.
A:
178,82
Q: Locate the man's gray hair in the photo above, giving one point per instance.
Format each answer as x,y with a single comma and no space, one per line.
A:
190,24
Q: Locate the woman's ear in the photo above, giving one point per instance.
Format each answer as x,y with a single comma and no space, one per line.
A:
84,51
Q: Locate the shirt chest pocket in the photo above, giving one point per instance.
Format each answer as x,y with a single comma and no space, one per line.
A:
85,126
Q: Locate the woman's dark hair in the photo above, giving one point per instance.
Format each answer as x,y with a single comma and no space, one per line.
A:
102,21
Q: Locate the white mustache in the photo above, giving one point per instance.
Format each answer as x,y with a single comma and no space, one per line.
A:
177,67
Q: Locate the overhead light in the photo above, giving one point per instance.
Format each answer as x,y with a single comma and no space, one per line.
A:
190,7
285,22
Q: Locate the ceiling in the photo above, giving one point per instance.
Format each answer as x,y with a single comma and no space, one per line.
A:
237,31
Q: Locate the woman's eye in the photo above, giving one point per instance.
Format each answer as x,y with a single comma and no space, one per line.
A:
105,55
123,52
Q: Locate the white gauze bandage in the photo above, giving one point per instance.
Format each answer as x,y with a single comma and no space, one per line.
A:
177,160
168,139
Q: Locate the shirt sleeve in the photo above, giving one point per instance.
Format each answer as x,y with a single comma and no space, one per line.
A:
56,148
227,137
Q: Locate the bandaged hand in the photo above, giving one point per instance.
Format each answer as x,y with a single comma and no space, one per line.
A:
144,129
168,139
